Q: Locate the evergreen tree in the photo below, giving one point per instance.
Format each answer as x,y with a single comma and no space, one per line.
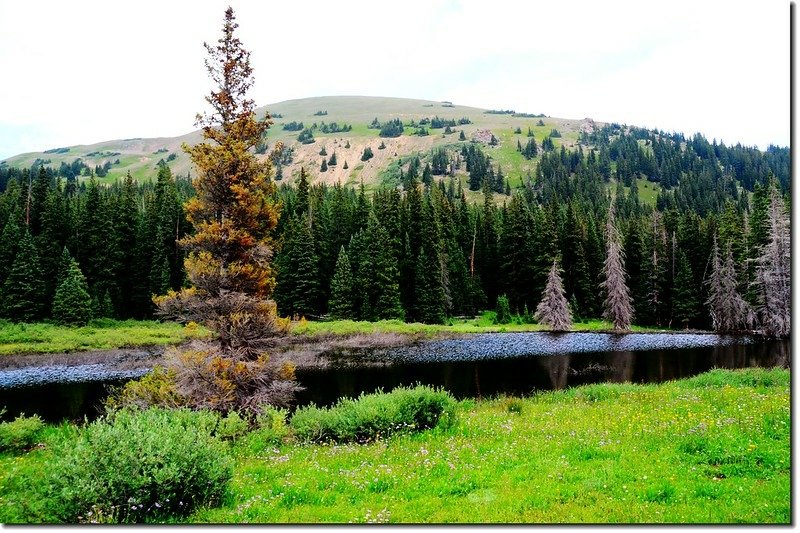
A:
9,244
685,299
553,310
297,291
429,300
22,292
383,289
72,304
340,305
301,207
324,166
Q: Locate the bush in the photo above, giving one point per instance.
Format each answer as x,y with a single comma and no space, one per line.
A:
372,416
271,430
746,377
20,434
138,466
503,310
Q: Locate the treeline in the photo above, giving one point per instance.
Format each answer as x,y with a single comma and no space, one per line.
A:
425,253
122,238
420,251
667,158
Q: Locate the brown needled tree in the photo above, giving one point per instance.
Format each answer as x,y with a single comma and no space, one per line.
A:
229,261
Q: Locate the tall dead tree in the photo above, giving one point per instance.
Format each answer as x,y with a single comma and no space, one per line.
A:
773,272
729,311
618,305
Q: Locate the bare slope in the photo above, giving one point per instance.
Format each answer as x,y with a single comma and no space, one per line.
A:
140,156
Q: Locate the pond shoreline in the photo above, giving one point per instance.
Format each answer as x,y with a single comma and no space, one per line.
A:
306,351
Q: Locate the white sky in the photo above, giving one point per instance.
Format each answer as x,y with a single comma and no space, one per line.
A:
79,72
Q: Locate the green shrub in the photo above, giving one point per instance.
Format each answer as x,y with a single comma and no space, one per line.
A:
232,427
20,434
503,311
137,466
372,416
271,430
745,377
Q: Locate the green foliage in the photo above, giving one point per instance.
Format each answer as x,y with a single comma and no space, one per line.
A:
367,154
340,305
99,334
140,466
756,378
21,295
72,305
373,416
20,434
271,430
503,311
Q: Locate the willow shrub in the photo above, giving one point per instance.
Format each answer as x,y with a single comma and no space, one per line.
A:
140,466
372,416
19,434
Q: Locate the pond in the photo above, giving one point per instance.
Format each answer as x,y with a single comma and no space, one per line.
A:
477,366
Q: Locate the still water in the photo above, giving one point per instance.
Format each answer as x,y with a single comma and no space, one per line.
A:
479,366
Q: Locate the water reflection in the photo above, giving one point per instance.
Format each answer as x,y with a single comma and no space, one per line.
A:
557,367
481,378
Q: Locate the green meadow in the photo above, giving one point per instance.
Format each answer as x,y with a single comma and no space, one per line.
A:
711,449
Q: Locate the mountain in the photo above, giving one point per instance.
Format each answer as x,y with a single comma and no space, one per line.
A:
140,156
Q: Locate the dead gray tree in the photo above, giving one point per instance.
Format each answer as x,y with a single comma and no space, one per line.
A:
618,305
553,310
773,272
729,311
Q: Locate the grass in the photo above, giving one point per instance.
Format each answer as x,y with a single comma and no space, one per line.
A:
678,452
482,324
106,334
98,334
710,449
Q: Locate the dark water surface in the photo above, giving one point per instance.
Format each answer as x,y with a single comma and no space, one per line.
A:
476,366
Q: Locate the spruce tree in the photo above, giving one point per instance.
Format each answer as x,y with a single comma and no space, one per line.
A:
685,299
9,244
22,292
553,309
297,291
72,304
429,298
383,291
340,305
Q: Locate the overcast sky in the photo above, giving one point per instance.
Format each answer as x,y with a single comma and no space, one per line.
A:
80,72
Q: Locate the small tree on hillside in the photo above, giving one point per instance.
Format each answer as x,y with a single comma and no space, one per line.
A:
553,309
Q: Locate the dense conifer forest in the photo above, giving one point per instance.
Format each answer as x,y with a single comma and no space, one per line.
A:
421,251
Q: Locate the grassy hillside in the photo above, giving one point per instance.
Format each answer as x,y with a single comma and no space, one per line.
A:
140,156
